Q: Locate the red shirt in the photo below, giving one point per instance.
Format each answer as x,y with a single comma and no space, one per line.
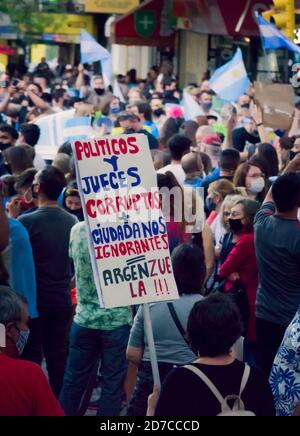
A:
242,260
24,390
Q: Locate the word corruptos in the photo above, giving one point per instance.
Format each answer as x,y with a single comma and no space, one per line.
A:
106,147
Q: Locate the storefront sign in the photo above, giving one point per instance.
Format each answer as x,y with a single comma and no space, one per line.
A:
110,6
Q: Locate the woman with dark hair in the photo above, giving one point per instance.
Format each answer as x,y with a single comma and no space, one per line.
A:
214,325
267,153
170,343
72,202
240,264
252,176
169,129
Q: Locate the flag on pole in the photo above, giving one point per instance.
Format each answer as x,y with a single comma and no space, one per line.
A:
231,80
118,92
92,51
191,108
272,38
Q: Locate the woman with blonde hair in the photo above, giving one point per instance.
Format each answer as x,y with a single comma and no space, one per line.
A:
217,192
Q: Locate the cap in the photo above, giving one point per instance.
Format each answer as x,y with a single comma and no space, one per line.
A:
211,140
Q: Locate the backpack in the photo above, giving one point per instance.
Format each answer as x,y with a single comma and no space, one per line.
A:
238,407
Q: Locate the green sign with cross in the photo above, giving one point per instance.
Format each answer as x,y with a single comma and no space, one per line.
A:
145,23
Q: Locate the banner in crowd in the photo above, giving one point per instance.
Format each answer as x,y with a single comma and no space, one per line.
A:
277,103
128,235
59,128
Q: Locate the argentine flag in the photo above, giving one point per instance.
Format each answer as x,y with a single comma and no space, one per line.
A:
92,51
272,38
231,80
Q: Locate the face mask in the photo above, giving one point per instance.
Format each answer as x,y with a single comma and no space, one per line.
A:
236,226
115,110
210,205
158,112
34,194
99,91
298,214
22,341
257,186
4,146
207,106
245,106
293,154
78,213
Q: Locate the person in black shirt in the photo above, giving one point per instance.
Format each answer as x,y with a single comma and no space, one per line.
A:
214,325
49,230
245,134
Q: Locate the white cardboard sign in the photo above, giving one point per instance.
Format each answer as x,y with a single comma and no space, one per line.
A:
128,236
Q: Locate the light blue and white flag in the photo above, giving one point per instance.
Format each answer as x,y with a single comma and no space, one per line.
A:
118,92
272,38
231,80
191,108
92,51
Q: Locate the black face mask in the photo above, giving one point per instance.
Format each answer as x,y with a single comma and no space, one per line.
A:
158,112
236,226
210,205
34,194
78,213
99,91
4,146
293,154
245,106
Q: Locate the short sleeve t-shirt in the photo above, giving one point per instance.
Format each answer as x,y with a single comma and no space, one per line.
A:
240,137
277,242
49,232
25,390
89,314
169,343
185,394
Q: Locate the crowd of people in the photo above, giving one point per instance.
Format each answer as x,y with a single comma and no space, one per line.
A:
238,273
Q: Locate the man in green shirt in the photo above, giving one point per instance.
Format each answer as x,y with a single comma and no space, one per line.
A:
96,333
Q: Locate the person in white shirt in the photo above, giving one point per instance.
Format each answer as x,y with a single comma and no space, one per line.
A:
179,145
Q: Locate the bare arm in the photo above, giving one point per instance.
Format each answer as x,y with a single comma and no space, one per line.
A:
230,125
209,250
37,101
80,78
295,126
134,355
257,115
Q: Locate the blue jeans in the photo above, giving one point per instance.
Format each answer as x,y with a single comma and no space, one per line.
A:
86,347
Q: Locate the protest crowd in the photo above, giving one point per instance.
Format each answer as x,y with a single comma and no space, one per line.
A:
237,272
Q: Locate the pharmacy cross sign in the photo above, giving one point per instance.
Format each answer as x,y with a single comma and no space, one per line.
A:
145,23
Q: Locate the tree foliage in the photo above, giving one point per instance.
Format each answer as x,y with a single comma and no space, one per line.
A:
23,13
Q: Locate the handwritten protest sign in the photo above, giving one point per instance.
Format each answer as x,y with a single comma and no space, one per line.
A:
128,235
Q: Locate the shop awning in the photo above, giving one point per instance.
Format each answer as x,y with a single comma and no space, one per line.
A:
219,17
150,25
6,50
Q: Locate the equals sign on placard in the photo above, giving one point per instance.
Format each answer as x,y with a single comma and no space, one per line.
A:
135,260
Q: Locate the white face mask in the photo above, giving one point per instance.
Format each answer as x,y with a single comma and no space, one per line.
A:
257,185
